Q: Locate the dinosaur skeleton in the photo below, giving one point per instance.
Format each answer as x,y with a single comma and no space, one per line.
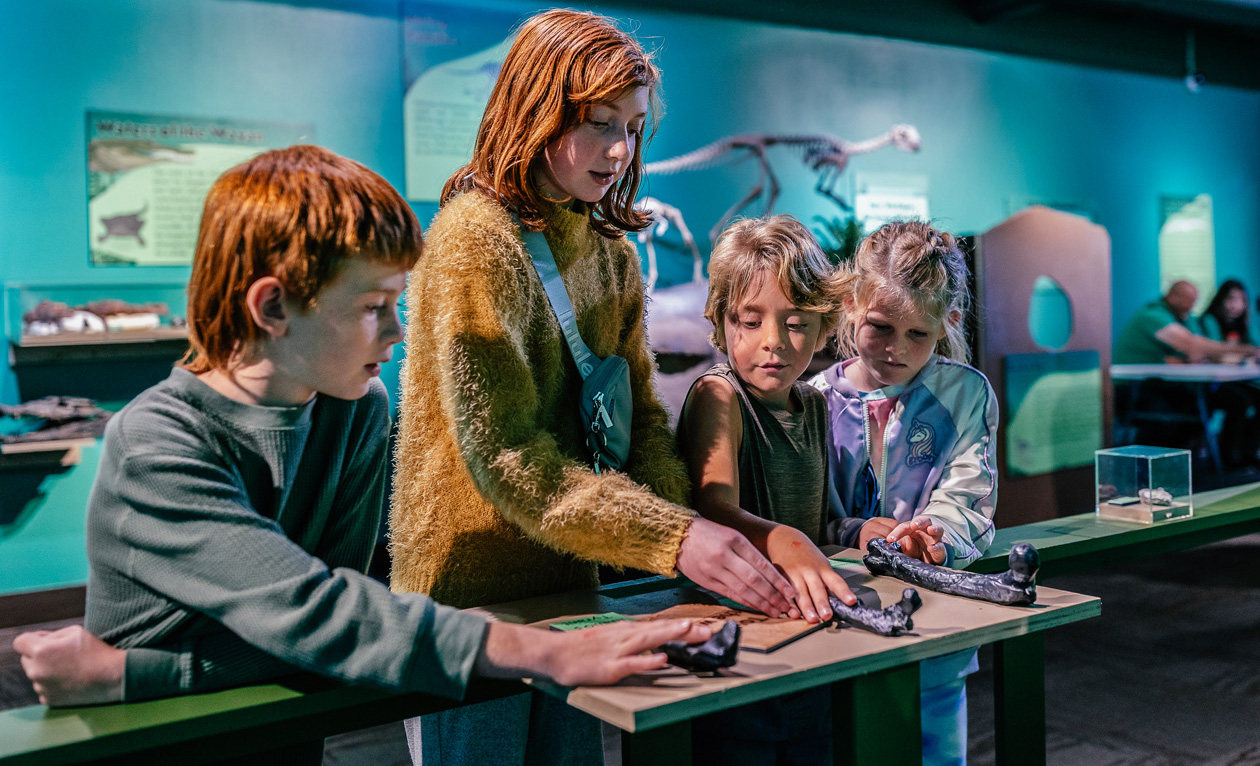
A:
662,215
825,155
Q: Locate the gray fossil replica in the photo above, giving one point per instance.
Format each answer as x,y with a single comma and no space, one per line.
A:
64,417
892,621
718,652
1015,587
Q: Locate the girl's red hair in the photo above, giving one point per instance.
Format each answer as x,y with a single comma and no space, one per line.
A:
561,63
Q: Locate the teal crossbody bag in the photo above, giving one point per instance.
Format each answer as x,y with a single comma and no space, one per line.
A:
606,406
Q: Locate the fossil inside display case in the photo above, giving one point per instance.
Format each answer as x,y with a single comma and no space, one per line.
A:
64,315
1143,484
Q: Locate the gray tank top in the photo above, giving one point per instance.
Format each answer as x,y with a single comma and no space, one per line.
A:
782,458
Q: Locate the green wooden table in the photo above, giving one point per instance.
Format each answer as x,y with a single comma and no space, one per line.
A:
200,728
875,683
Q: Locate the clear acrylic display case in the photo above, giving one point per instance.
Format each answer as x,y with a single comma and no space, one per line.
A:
1142,484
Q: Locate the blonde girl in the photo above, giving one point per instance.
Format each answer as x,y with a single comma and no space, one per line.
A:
913,431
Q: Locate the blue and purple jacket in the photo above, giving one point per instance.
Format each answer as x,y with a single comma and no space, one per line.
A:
939,456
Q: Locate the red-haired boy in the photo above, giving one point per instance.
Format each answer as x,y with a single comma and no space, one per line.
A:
237,502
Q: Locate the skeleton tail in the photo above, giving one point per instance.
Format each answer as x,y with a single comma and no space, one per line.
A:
699,159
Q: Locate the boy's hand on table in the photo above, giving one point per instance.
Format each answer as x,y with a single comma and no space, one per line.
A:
71,666
809,572
719,558
596,656
920,538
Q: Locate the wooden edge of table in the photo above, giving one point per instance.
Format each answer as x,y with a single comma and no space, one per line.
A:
216,724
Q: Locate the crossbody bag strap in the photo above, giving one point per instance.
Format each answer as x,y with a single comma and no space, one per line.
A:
545,264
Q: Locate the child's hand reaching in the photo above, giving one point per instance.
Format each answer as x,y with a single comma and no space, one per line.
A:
809,572
919,537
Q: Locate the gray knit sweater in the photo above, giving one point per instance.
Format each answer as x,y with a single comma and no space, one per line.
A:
227,544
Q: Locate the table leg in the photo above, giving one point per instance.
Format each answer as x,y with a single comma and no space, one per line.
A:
1019,692
668,746
1209,435
875,718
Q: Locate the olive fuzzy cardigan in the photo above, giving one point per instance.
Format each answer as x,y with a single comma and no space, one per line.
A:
494,495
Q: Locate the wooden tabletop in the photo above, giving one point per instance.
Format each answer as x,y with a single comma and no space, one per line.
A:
944,624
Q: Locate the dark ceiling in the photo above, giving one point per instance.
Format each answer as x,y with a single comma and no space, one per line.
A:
1146,36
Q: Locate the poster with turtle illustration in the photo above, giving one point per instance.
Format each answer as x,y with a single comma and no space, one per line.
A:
148,176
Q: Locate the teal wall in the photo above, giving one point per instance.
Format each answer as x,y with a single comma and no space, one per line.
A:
337,69
998,132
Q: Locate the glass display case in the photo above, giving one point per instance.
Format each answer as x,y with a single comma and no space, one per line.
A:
1142,484
66,315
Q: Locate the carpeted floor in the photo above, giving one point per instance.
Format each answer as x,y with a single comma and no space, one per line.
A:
1168,676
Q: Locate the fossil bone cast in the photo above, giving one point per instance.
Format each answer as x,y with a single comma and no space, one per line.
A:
825,155
1015,587
892,621
59,417
716,653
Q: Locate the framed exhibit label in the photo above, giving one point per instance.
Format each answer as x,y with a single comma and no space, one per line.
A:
883,197
148,176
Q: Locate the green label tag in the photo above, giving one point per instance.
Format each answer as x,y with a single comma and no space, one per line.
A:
585,622
840,561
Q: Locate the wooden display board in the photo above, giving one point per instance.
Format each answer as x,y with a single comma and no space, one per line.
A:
1008,259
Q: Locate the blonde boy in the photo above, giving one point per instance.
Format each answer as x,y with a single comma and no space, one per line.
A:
755,439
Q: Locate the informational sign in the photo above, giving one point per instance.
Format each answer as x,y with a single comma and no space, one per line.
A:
884,197
452,56
1187,245
148,177
1056,419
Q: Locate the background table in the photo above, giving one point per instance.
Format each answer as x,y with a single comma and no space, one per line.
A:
1202,378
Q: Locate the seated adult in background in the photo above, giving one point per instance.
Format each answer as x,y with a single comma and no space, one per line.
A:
1227,318
1160,332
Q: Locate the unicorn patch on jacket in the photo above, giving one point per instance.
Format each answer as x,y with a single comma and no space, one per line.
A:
922,441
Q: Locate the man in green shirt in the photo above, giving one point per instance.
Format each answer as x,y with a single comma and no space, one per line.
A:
1158,333
237,502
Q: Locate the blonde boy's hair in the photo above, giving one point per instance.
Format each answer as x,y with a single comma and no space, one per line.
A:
908,266
777,245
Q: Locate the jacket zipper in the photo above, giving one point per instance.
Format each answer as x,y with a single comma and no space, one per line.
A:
883,452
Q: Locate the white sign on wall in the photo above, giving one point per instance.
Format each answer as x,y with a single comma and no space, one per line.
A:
884,197
1187,245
